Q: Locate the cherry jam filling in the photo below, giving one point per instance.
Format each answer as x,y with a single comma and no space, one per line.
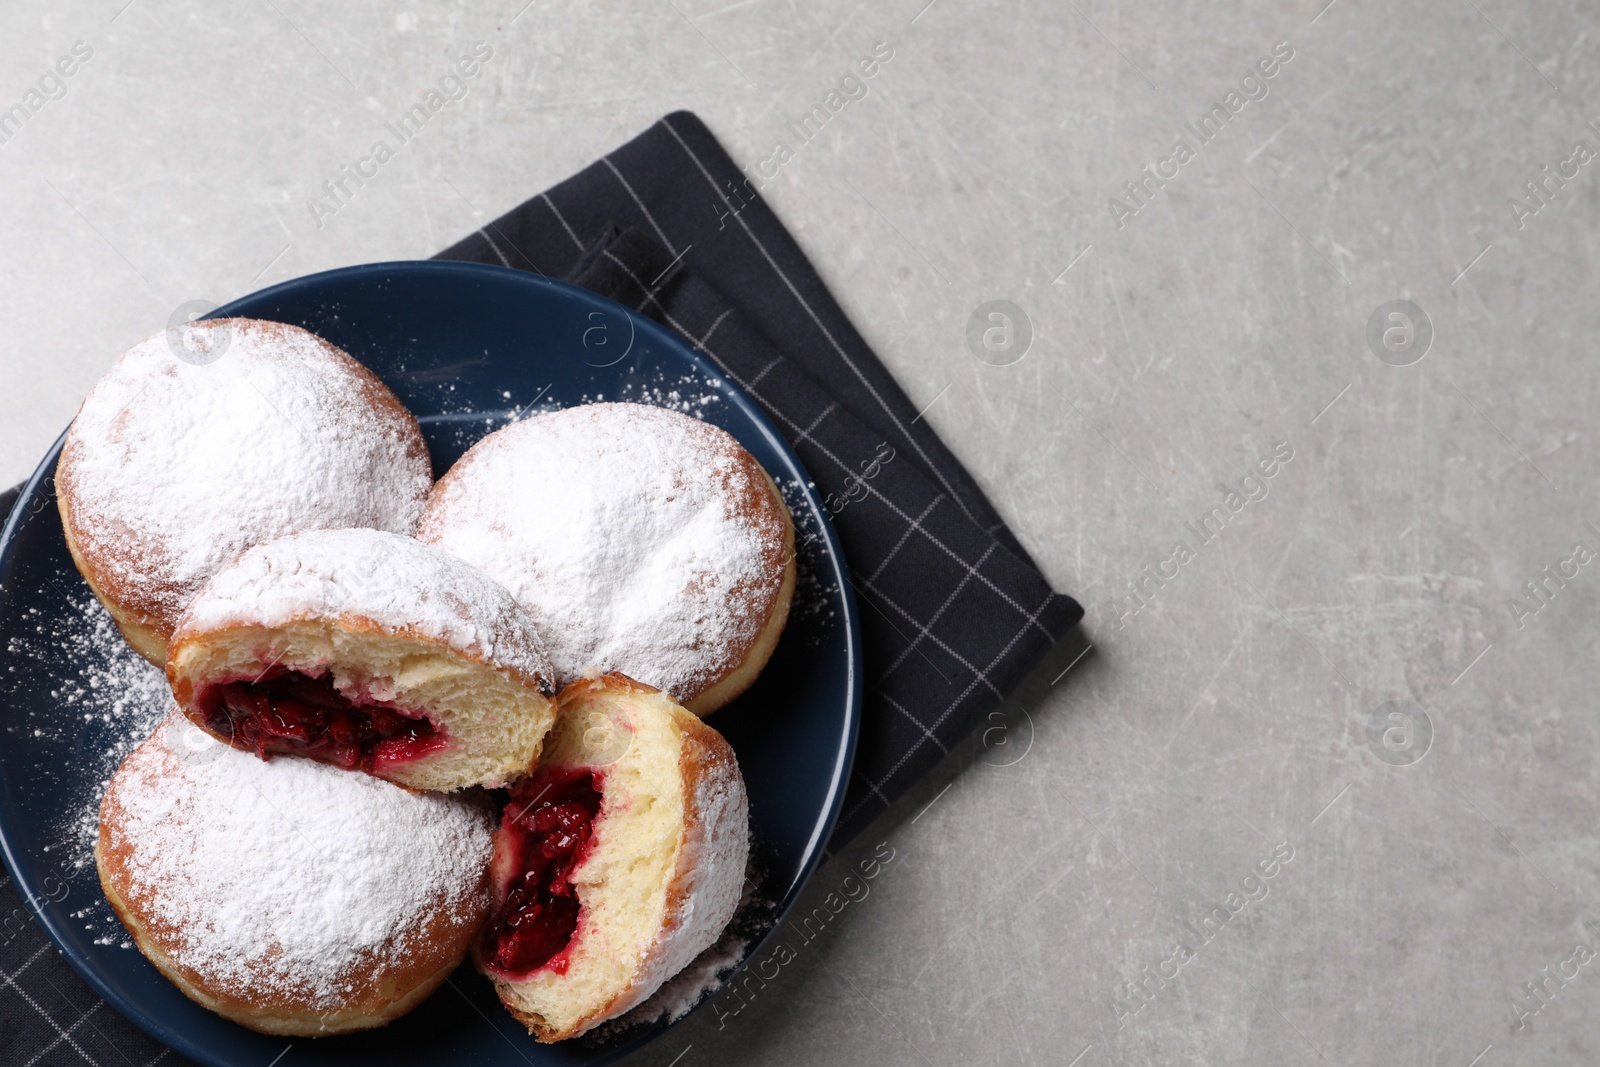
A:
286,711
546,832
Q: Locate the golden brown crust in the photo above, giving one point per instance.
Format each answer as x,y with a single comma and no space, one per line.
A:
147,610
761,505
142,634
536,1025
379,989
745,664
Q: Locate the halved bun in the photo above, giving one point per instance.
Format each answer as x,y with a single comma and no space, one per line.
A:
656,874
371,651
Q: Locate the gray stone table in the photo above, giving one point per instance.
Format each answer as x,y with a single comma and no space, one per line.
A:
1325,788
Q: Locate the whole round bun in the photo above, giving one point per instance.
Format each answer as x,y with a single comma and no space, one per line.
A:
369,650
208,438
289,897
650,869
642,541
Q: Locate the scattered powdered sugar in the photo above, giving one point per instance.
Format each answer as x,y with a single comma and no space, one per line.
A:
815,600
685,990
687,394
174,466
460,425
396,582
633,534
288,876
106,700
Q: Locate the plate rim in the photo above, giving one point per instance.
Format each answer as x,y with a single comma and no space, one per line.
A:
815,849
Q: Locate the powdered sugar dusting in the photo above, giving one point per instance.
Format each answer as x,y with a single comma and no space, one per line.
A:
680,995
815,599
288,876
105,692
173,468
718,846
685,393
628,532
395,582
709,971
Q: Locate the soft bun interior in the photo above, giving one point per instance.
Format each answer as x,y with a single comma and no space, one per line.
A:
494,722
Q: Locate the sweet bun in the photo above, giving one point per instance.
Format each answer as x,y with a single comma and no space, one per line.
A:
211,437
643,541
289,897
367,650
616,864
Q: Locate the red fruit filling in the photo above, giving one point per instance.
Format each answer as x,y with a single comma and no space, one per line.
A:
288,712
545,833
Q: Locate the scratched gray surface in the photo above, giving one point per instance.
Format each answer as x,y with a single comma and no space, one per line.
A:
1048,889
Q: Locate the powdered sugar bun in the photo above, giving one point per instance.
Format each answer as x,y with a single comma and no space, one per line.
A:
618,863
369,650
642,541
209,438
289,896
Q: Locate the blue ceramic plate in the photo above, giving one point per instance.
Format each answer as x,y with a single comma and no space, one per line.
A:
469,348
